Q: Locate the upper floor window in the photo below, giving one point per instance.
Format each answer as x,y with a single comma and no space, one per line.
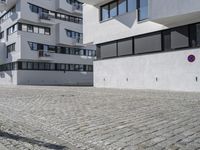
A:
10,48
143,10
117,7
45,13
74,34
77,4
61,50
7,15
28,28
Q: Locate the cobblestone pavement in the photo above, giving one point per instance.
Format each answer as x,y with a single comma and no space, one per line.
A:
62,118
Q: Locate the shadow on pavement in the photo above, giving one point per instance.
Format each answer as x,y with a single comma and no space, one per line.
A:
32,141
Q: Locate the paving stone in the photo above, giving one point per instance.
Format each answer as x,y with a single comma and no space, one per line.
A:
43,118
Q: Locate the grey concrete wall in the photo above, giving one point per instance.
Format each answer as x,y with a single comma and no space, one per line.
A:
26,77
161,71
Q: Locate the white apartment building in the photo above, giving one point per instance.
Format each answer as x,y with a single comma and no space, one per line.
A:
144,44
41,43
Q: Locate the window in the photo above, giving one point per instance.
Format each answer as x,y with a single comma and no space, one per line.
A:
35,66
125,47
198,34
57,15
24,65
24,27
30,28
12,29
166,40
61,50
117,7
109,50
7,15
2,35
73,34
30,66
179,37
113,9
10,48
41,30
52,67
131,5
41,66
35,29
71,67
152,43
143,10
122,6
105,12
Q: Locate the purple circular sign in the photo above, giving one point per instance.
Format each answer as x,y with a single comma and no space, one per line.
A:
191,58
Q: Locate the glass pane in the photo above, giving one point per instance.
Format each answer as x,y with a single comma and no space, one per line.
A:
104,13
24,27
41,30
35,29
143,10
122,6
131,5
198,34
113,9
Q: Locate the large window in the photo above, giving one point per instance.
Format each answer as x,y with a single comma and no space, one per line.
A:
109,50
179,37
148,43
116,7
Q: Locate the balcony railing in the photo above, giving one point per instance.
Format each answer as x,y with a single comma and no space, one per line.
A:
78,40
42,53
44,16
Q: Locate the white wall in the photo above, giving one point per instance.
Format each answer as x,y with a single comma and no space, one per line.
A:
172,70
167,8
122,26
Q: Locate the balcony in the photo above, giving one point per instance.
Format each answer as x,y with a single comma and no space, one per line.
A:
46,18
77,8
77,41
44,55
6,4
93,2
173,11
64,6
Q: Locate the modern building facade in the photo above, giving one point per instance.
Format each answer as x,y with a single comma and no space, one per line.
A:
145,44
41,43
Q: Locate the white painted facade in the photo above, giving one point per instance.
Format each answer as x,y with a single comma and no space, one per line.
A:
58,37
168,70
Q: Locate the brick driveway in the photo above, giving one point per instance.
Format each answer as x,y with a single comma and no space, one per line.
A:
59,118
